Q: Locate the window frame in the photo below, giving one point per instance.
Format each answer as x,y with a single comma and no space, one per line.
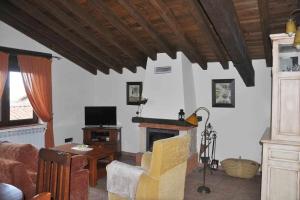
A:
5,103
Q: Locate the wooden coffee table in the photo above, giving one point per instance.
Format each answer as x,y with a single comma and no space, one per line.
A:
93,156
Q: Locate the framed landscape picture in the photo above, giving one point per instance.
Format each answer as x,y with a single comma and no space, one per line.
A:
223,93
134,93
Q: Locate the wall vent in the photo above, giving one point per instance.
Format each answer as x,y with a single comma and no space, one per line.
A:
163,70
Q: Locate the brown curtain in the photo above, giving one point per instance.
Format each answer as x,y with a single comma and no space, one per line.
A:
36,73
3,71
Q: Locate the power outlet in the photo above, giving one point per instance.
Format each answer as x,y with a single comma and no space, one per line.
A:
67,140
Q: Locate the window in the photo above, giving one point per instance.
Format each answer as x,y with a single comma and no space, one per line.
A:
15,108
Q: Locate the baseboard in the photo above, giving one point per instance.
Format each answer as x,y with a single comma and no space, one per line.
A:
128,155
138,158
124,153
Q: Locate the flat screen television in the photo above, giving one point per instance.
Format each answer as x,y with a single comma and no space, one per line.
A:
100,115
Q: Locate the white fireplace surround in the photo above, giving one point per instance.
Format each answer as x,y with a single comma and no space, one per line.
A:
164,103
167,93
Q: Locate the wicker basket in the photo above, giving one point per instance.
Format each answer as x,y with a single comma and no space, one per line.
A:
240,167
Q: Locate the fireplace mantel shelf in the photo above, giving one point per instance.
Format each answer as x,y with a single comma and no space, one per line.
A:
162,123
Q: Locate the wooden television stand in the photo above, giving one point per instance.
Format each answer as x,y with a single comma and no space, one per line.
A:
107,137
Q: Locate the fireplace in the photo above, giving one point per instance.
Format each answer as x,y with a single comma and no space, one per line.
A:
152,129
153,134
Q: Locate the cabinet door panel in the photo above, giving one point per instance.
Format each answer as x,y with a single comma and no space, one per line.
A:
289,123
283,155
283,184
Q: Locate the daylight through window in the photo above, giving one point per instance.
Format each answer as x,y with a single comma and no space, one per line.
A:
15,107
20,107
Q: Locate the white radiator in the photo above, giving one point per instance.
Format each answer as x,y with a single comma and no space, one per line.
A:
27,135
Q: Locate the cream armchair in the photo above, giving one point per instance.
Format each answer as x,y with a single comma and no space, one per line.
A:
165,171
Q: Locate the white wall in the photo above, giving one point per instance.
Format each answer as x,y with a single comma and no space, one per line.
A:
240,128
111,91
167,93
164,91
73,87
188,86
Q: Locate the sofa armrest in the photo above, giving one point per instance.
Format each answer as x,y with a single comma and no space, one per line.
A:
14,172
24,153
146,160
78,162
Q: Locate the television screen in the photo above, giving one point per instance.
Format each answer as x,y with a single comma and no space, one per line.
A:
100,115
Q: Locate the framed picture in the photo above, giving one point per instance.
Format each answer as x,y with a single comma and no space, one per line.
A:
223,93
134,93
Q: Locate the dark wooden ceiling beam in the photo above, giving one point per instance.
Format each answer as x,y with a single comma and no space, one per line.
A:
263,6
66,19
112,57
297,17
115,21
223,16
60,30
137,59
133,11
199,15
31,27
169,18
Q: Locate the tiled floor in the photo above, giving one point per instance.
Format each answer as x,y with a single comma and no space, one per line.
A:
223,187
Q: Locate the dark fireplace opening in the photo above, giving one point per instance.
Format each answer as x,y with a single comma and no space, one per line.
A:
154,134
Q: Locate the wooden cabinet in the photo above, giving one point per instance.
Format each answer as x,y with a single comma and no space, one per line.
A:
281,143
107,137
286,89
281,169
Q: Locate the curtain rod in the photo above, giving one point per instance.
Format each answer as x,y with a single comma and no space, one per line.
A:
13,51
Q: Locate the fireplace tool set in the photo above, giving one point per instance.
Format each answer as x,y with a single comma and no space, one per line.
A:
207,134
208,137
211,139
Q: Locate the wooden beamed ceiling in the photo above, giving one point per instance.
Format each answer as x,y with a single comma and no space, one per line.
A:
227,27
116,34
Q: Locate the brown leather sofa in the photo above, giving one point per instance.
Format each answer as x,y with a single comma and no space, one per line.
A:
18,167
